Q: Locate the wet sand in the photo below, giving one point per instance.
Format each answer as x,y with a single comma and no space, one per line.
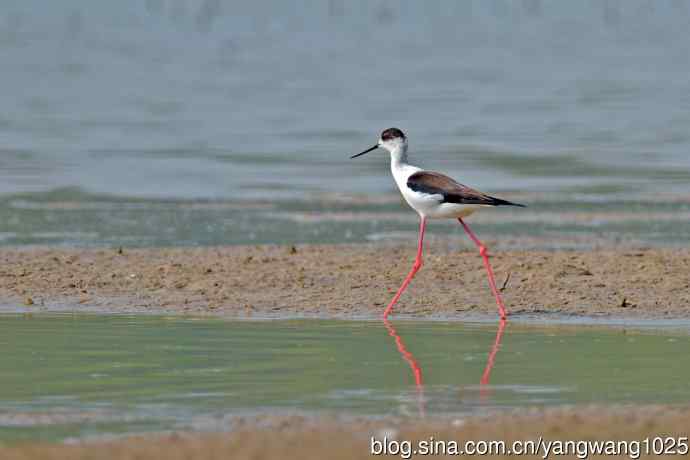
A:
308,438
346,281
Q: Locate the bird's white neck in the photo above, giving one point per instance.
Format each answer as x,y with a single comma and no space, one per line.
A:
401,169
399,157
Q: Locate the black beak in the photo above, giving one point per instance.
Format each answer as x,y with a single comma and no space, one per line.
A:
366,151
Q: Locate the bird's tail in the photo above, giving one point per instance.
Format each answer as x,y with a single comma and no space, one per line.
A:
500,202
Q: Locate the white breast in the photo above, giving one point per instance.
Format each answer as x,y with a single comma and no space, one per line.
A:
427,205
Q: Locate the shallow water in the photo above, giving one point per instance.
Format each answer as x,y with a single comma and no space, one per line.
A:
197,122
66,376
72,217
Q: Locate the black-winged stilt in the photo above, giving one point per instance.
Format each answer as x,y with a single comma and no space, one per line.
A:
434,196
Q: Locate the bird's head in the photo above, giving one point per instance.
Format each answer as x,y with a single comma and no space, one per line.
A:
392,139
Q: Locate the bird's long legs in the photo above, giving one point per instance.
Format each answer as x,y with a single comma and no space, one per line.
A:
489,271
415,268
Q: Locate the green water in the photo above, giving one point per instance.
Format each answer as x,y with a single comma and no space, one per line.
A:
73,217
66,376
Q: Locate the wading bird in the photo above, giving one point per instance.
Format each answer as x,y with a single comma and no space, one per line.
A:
434,196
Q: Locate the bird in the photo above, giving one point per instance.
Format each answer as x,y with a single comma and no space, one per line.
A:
435,196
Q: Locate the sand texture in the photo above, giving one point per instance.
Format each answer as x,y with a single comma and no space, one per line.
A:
346,281
307,438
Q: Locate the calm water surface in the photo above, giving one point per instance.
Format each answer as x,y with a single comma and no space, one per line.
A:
156,122
66,376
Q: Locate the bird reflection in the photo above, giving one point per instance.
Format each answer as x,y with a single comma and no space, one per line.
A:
414,365
484,391
417,370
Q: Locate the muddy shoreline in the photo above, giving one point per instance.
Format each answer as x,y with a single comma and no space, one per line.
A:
329,437
346,281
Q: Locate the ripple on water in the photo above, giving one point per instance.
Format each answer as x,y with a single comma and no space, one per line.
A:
220,369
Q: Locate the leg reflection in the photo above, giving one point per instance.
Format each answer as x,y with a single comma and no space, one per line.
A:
490,361
409,357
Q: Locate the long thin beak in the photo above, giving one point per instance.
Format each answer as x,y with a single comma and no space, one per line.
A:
366,151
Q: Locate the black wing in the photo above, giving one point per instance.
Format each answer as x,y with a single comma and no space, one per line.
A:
452,192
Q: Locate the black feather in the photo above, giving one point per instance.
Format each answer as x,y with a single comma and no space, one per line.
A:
452,192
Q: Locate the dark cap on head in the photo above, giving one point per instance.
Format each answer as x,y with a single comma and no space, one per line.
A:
392,133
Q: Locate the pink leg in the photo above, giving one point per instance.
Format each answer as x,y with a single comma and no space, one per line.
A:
415,268
489,271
